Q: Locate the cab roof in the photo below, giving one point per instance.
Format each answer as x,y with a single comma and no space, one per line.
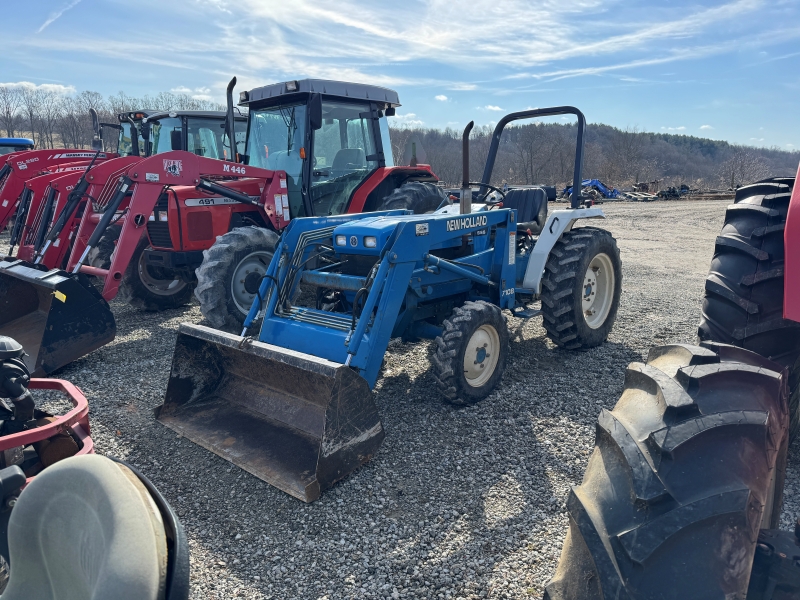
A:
326,87
203,114
16,142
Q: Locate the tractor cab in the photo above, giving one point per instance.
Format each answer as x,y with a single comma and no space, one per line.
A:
329,137
9,145
147,132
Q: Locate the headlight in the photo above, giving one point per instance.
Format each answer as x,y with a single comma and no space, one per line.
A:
341,240
370,241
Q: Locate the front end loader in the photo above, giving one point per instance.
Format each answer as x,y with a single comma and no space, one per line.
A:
294,406
59,314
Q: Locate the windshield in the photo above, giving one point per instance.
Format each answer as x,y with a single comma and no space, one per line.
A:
10,149
274,142
341,148
162,134
124,147
207,137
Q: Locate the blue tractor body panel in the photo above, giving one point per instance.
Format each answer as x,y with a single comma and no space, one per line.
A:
421,263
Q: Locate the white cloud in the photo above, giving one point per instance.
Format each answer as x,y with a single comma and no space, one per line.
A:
441,98
55,15
681,128
181,89
790,145
756,139
47,87
492,107
407,120
706,127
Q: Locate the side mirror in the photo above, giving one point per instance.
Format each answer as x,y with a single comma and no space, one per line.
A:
390,112
176,139
315,111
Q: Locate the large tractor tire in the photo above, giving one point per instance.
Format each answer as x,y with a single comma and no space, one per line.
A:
418,196
581,287
150,288
471,352
686,468
231,273
743,300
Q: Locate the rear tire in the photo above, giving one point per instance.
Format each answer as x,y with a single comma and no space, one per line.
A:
743,299
418,196
581,287
471,353
147,288
686,468
240,258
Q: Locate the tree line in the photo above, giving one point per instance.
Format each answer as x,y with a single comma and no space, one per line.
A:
545,154
54,119
539,153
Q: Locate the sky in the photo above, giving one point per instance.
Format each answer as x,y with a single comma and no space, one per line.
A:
724,70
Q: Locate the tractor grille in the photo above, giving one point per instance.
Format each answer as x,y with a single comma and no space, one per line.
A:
158,231
159,234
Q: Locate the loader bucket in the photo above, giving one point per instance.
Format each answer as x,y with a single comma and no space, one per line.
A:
56,316
298,422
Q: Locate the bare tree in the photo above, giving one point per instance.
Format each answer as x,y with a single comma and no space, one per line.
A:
31,106
10,102
743,167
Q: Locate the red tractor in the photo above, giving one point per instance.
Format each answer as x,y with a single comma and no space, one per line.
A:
324,144
752,293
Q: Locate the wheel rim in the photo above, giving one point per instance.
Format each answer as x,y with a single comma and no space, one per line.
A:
481,355
159,287
597,293
254,264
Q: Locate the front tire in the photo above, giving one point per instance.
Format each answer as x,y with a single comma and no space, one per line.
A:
581,287
471,353
231,272
150,288
686,468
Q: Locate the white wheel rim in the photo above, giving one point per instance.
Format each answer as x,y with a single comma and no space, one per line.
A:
159,287
481,355
255,262
597,293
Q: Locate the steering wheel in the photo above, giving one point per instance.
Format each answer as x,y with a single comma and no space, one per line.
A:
492,188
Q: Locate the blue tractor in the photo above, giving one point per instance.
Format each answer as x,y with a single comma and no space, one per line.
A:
9,145
294,405
597,185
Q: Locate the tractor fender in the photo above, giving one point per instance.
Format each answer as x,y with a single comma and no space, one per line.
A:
791,237
559,222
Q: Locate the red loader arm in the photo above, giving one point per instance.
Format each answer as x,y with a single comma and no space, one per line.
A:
791,237
147,180
20,167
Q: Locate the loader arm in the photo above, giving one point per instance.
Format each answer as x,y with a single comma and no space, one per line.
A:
18,169
146,180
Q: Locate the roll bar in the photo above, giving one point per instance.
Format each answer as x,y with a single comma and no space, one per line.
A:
534,114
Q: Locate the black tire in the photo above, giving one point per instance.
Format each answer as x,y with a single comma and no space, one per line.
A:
418,196
218,303
5,573
743,299
448,360
100,255
686,468
563,291
142,286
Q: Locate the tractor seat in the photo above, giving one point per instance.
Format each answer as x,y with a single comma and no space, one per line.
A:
531,207
348,160
86,527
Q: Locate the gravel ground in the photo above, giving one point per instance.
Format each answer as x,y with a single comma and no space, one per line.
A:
458,503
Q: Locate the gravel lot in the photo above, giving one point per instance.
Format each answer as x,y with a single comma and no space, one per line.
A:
459,503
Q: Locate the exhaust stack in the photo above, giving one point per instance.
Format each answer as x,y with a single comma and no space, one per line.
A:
466,190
